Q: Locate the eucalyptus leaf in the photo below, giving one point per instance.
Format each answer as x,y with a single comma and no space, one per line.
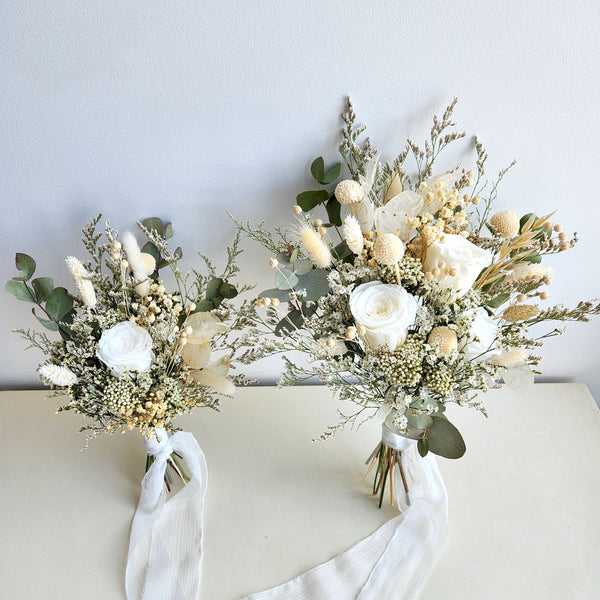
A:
524,220
60,304
341,251
499,300
42,286
334,209
19,290
154,224
281,295
417,424
285,279
51,325
308,200
302,266
294,255
331,174
315,283
168,231
317,168
445,439
423,446
284,258
534,258
203,306
26,266
228,291
178,253
292,321
212,288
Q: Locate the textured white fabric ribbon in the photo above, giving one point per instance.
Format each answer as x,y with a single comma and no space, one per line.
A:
395,561
165,547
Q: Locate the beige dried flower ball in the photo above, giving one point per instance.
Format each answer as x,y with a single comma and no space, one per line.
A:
388,249
505,223
443,339
520,312
349,192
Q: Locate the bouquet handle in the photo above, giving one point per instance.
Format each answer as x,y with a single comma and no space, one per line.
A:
165,547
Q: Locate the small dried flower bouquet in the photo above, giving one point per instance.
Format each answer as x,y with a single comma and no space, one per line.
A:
405,282
133,355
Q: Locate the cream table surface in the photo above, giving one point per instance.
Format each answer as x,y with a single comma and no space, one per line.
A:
524,502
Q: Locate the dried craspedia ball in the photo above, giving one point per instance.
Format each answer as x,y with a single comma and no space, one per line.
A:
349,192
388,249
443,339
505,223
520,312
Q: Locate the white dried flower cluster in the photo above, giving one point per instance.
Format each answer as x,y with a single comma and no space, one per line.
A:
82,281
353,234
57,375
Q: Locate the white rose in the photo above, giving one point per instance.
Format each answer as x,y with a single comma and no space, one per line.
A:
482,343
385,311
455,251
125,346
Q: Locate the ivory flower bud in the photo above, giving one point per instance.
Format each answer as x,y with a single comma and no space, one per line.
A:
383,313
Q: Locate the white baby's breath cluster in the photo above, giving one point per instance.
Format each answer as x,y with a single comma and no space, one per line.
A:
395,285
134,354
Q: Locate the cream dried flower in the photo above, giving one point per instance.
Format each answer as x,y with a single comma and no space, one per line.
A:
528,273
505,223
510,357
388,249
353,234
57,375
82,280
443,339
520,312
215,377
134,256
317,249
349,192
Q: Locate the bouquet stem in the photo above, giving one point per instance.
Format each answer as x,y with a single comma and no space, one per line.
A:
174,464
385,458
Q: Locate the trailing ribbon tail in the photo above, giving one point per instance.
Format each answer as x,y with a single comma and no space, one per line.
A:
394,561
165,547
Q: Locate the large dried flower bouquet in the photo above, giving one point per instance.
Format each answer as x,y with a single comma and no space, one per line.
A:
405,282
133,354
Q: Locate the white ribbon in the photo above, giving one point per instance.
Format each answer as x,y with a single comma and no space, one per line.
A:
395,561
165,547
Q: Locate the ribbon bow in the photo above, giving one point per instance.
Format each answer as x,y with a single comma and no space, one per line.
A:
165,547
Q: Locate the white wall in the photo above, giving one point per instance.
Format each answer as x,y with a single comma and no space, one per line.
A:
183,109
